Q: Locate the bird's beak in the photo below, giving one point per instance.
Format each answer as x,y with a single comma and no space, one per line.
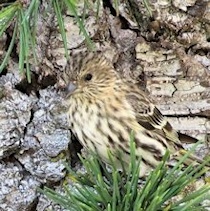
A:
71,87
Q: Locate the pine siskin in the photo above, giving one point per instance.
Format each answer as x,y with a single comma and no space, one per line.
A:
104,109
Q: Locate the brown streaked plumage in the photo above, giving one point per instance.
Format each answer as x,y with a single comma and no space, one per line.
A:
104,109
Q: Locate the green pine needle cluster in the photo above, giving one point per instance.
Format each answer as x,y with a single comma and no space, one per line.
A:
24,20
104,189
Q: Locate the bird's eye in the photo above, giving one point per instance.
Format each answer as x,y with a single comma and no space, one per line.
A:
88,77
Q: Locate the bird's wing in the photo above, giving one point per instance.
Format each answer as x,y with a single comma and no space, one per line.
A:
151,118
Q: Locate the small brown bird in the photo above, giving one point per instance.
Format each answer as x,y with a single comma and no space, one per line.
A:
104,109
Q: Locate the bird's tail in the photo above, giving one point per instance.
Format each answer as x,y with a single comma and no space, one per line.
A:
191,158
187,139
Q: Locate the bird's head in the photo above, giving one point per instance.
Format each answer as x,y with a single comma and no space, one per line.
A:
94,77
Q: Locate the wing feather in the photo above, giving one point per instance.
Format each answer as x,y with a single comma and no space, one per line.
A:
151,118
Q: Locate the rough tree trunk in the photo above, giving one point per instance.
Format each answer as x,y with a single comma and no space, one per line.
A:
167,54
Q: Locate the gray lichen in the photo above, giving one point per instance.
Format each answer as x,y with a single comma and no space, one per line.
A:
168,54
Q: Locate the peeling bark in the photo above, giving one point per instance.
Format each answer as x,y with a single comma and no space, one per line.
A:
166,54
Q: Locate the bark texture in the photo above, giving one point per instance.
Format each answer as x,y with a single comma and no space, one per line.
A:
164,49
